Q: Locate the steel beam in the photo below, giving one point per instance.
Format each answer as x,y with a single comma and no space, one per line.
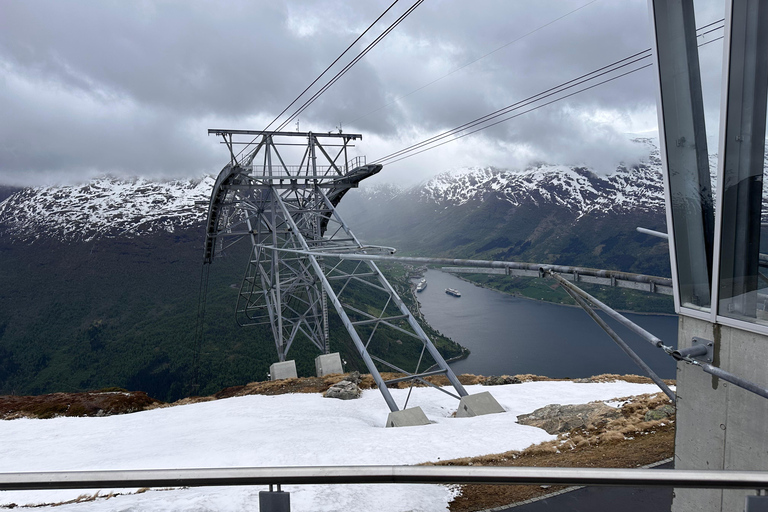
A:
219,131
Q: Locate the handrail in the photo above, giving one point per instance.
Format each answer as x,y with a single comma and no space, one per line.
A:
200,477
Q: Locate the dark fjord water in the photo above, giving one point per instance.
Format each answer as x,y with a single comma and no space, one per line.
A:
510,335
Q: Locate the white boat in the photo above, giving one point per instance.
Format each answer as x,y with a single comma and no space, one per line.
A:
422,284
453,291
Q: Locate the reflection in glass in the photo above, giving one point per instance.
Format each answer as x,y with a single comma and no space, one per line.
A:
685,150
743,287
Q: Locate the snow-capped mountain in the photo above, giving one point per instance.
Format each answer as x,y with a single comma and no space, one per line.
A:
578,189
104,207
110,208
546,213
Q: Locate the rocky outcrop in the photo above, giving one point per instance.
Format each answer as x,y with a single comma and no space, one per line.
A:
665,411
347,389
556,418
496,380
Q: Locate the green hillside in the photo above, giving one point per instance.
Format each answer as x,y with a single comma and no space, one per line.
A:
123,313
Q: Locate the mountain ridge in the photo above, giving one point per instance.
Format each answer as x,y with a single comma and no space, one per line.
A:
110,208
104,208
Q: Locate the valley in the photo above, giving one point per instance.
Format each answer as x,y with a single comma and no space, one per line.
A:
101,281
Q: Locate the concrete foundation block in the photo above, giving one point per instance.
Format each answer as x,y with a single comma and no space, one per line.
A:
477,405
284,370
327,364
407,418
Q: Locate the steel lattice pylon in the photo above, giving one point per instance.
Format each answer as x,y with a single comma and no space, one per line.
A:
288,213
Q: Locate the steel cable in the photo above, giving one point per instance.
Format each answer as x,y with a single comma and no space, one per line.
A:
324,72
416,149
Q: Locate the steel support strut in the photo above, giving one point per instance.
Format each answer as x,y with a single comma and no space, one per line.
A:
348,324
288,213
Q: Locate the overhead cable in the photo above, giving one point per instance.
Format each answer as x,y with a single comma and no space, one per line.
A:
432,142
473,61
352,63
323,73
331,65
627,61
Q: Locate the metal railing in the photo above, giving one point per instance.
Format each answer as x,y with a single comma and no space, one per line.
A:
358,161
201,477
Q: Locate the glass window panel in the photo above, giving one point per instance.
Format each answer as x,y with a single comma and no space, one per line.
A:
743,285
685,147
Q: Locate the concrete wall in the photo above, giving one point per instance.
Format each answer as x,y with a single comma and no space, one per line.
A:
719,425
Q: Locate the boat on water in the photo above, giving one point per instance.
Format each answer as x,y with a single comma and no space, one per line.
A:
422,284
453,291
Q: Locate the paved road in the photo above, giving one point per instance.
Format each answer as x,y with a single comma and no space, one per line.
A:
604,499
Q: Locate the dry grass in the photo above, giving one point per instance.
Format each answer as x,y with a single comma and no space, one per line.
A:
95,403
85,498
118,401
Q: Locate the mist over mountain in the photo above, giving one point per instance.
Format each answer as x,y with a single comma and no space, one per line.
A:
557,214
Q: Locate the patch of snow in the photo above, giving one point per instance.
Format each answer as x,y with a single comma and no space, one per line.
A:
286,430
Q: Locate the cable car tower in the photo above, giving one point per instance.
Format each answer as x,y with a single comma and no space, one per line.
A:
288,214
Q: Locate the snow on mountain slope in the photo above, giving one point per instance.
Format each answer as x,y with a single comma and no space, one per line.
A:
104,208
285,430
112,208
576,188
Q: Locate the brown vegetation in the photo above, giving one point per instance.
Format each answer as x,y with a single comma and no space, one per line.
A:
111,401
94,403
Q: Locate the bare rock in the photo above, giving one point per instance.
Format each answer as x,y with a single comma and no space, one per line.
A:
665,411
344,390
556,418
495,380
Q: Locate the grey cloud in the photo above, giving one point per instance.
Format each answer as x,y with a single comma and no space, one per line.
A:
140,81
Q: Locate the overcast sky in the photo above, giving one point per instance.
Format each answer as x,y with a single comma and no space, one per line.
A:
129,88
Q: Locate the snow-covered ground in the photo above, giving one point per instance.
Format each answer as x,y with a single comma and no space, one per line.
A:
286,430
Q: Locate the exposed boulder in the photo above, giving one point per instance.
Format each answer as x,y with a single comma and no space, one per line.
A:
344,390
495,380
556,418
665,411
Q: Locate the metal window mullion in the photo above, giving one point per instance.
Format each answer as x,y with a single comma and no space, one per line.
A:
679,90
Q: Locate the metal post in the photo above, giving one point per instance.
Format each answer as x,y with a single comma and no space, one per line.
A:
416,327
647,336
274,501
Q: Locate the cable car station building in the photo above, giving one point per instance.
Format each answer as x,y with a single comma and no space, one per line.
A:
718,254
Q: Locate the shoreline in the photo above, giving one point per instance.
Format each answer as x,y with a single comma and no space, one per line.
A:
417,274
480,285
